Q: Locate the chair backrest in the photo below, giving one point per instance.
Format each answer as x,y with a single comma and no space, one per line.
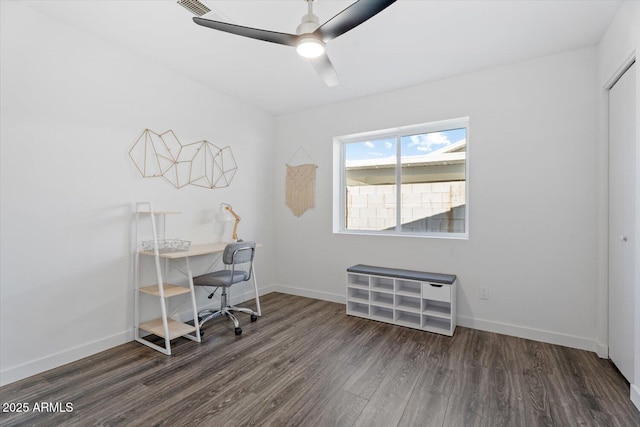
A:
243,252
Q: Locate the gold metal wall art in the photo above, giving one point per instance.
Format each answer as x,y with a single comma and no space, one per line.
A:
201,163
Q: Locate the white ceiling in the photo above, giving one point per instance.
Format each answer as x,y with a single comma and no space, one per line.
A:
411,42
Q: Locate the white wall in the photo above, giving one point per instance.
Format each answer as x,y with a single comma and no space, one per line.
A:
533,150
72,106
618,47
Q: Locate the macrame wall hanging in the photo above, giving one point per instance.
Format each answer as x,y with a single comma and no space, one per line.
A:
300,186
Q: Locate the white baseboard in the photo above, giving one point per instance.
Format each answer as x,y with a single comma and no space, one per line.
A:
249,295
635,395
324,296
550,337
484,325
38,366
602,350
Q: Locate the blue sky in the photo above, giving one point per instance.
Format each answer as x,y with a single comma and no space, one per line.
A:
412,145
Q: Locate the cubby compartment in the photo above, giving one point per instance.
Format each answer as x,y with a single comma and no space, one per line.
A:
436,308
358,281
359,295
405,318
436,324
357,308
407,287
382,299
382,313
383,284
408,303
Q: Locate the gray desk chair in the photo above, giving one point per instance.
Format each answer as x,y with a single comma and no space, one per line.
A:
238,259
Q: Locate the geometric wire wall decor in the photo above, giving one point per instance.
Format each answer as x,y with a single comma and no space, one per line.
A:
198,163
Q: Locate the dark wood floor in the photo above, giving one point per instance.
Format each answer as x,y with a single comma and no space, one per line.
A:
305,363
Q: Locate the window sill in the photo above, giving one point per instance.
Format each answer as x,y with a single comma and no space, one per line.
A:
446,236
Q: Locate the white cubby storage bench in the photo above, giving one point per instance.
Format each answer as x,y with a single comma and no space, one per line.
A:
414,299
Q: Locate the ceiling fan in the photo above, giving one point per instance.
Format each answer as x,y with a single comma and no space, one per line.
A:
310,38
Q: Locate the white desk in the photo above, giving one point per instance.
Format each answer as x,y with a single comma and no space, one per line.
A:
165,327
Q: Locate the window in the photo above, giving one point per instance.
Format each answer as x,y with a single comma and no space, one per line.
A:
408,181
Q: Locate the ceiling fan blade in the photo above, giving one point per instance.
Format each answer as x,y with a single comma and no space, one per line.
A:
254,33
323,66
351,17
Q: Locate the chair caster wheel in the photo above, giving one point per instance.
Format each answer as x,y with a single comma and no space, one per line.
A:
254,317
238,331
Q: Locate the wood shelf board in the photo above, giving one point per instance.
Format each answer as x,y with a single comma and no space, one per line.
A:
169,290
364,287
194,250
176,329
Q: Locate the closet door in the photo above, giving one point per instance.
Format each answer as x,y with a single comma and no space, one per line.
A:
622,213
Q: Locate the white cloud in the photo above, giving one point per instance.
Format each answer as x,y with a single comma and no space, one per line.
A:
369,144
430,141
388,145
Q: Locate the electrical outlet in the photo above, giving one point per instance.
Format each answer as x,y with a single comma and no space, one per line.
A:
484,292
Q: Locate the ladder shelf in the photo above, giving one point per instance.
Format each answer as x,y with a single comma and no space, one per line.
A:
164,326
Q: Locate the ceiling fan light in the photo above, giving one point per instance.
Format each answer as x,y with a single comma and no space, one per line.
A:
310,47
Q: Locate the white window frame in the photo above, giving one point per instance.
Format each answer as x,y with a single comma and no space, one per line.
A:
339,176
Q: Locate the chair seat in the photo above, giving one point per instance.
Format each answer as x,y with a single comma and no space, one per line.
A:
221,278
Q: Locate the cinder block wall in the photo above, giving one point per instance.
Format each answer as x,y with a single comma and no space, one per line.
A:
372,207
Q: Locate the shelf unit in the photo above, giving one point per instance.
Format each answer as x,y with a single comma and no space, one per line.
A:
163,326
414,302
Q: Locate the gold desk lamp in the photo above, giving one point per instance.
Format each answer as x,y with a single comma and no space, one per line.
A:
228,208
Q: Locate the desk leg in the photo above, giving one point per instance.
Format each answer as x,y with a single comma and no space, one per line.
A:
255,285
193,304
